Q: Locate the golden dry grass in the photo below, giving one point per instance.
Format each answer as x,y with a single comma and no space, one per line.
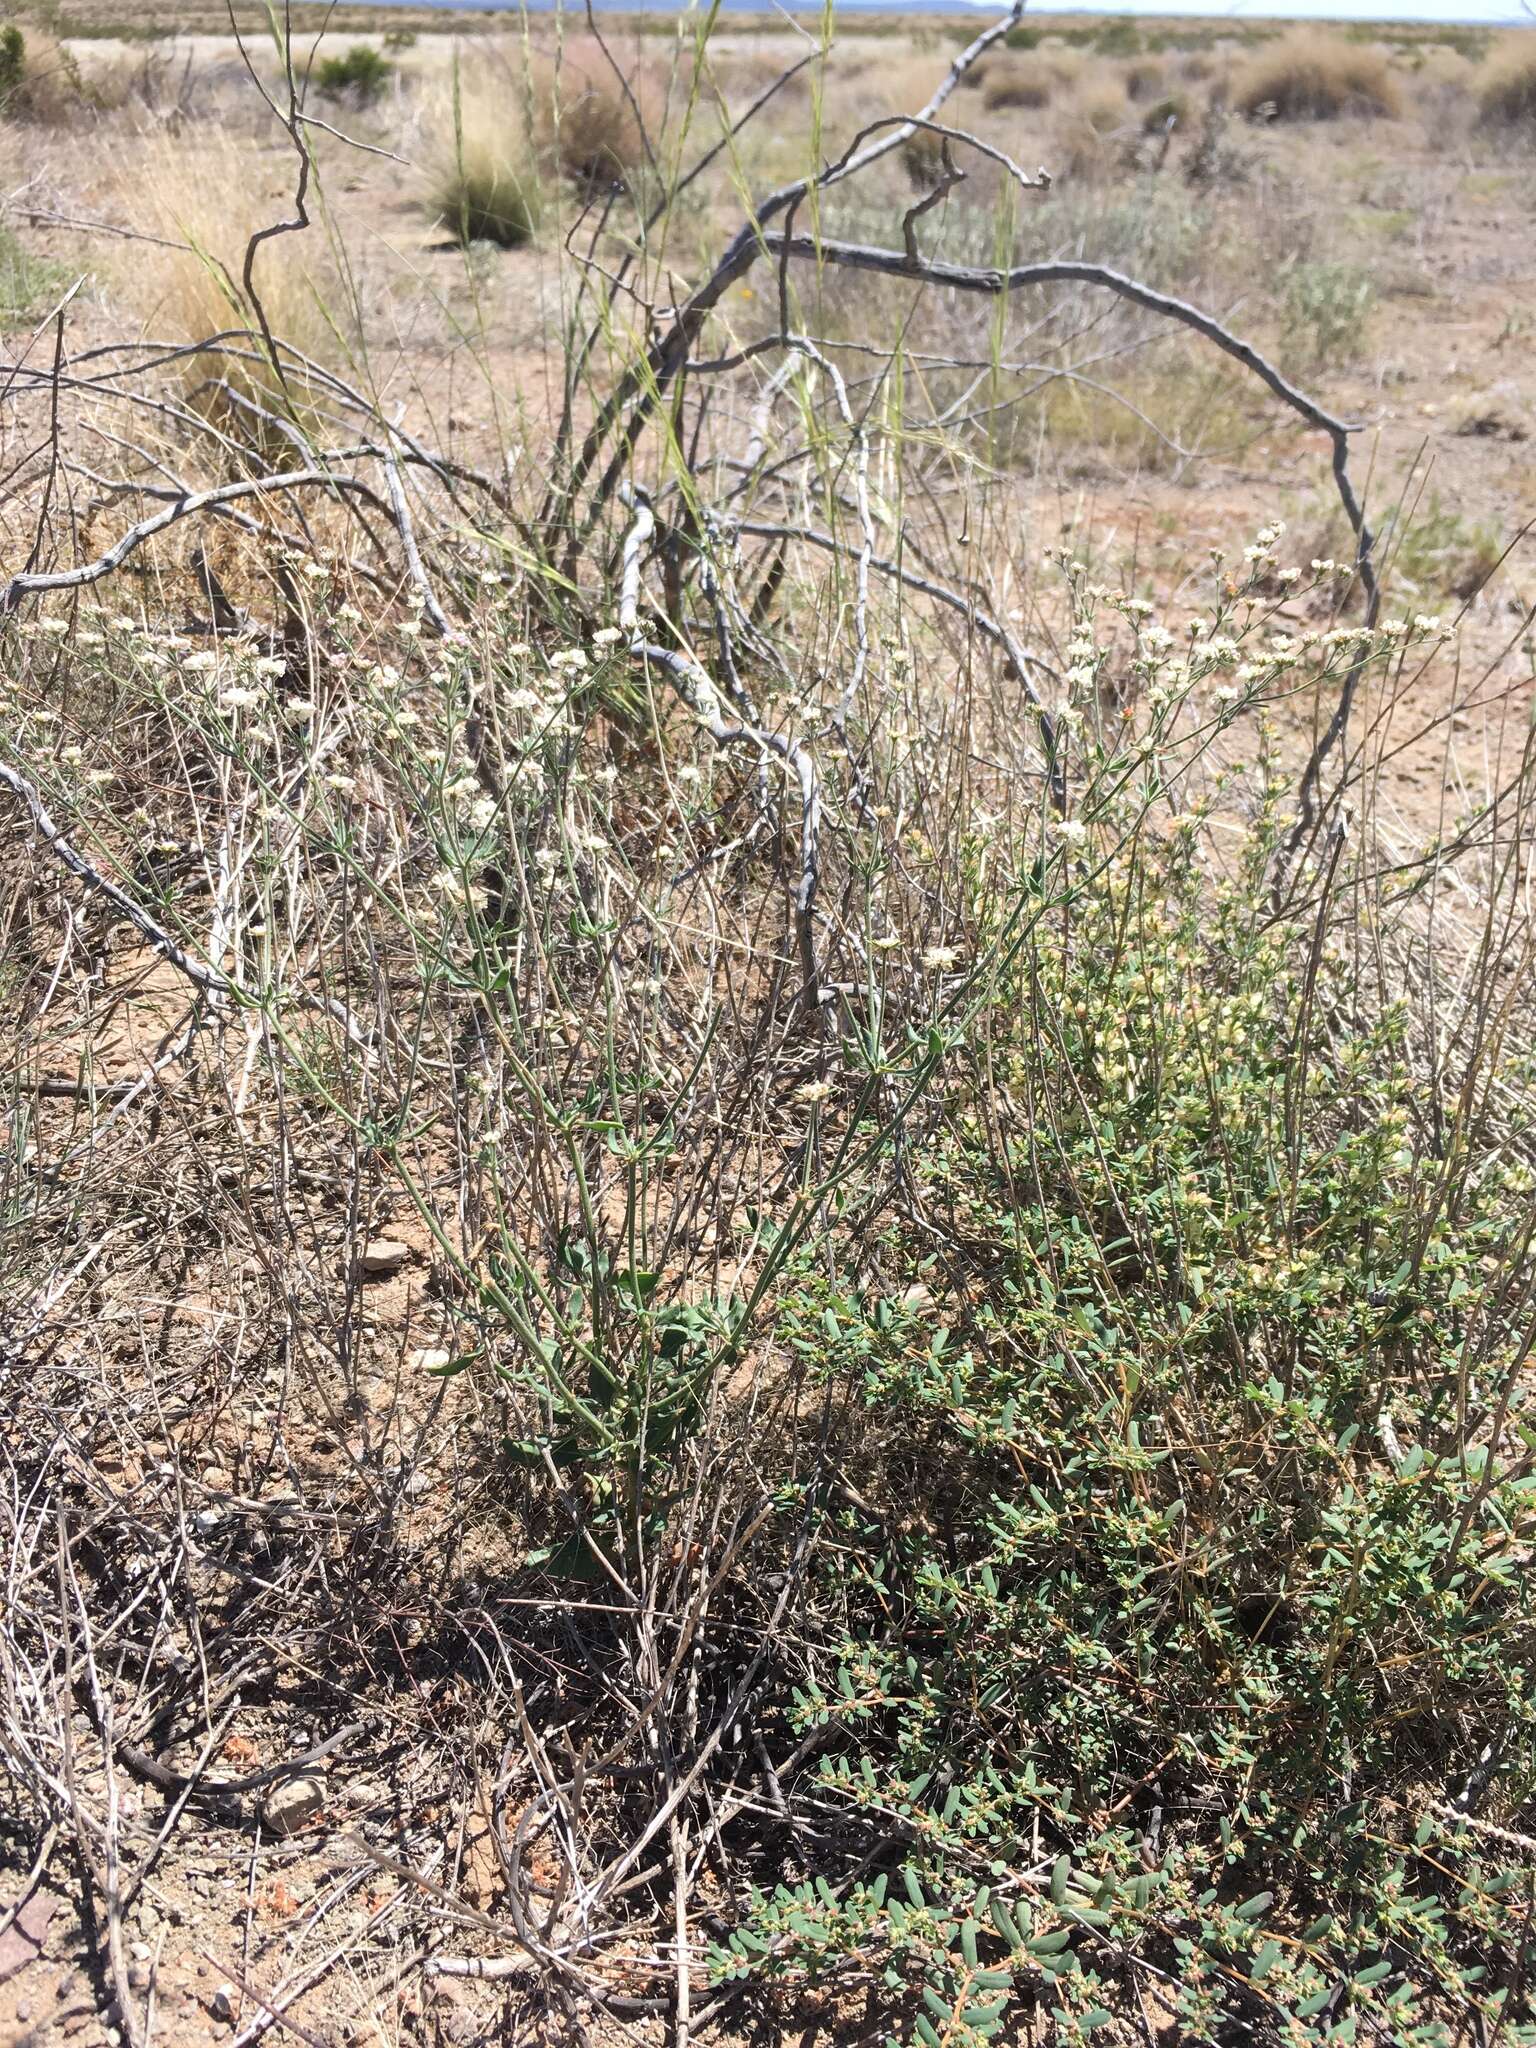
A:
1088,135
592,116
482,180
1506,84
1017,80
198,195
1311,77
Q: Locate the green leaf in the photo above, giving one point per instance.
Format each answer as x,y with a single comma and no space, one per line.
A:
453,1368
1061,1871
1006,1925
637,1283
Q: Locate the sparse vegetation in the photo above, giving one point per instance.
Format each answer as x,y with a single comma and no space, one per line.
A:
767,1094
1327,307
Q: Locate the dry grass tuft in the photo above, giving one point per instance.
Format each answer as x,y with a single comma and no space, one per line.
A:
483,183
1506,85
1017,81
1089,138
590,122
1317,78
1145,79
205,198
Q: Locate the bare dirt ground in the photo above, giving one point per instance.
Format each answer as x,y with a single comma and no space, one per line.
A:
305,1905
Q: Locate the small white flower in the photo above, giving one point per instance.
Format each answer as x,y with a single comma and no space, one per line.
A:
605,636
939,957
813,1091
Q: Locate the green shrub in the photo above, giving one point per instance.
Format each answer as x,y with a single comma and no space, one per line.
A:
1167,1609
361,74
1327,307
39,78
13,58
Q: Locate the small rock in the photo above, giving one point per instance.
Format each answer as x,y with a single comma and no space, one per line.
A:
223,2002
216,1479
291,1802
431,1361
141,1951
382,1256
139,1975
24,2012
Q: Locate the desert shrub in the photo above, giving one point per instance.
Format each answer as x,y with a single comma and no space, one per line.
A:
587,123
1144,79
1016,83
1506,85
400,39
1440,550
1327,307
1315,77
360,74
